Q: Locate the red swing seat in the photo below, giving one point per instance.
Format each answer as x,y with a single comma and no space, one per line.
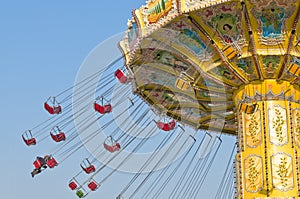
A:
51,162
166,126
28,138
37,164
112,148
103,108
55,108
93,185
120,76
31,141
57,135
73,185
89,169
111,145
87,166
52,109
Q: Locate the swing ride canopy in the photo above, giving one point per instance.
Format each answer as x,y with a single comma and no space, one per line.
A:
190,58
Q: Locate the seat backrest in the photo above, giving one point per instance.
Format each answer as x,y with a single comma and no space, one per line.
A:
73,185
93,186
51,162
97,107
120,75
48,108
37,164
80,194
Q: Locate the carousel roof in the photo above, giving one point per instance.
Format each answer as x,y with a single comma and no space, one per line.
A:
189,57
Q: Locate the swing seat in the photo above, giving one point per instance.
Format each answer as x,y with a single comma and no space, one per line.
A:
52,109
120,76
166,126
93,186
51,162
103,109
294,69
58,137
112,148
248,109
38,164
80,194
229,52
30,141
89,169
73,185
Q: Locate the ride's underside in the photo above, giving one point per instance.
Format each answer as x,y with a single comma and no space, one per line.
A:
189,58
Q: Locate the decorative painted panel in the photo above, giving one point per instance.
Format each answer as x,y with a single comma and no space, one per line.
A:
253,173
296,126
271,17
282,171
253,129
270,65
278,125
225,20
158,9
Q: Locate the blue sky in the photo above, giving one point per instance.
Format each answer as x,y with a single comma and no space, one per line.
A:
42,45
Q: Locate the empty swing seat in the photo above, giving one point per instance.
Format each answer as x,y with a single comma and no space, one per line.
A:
58,137
111,145
51,162
52,109
103,109
112,148
93,186
89,169
166,126
120,76
80,194
87,166
29,141
73,185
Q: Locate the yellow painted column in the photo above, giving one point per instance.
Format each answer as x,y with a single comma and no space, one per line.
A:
267,162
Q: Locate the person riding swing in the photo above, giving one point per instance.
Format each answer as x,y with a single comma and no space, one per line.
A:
40,164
